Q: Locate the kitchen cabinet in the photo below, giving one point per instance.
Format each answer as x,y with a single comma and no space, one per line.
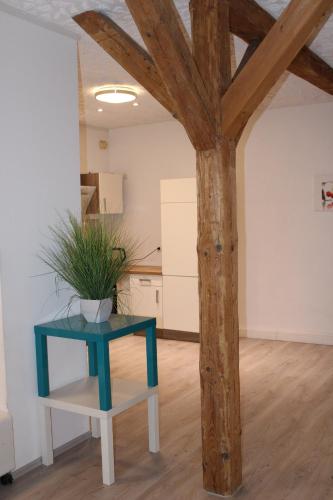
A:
179,239
181,303
179,255
108,195
141,295
146,297
179,190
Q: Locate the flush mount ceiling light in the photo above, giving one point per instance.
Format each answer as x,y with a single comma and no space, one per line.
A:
116,95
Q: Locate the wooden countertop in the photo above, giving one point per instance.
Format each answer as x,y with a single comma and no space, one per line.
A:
152,270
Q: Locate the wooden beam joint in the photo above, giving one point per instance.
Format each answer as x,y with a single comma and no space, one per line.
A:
273,56
250,50
249,20
166,38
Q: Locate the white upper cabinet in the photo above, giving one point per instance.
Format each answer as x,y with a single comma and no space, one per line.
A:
110,193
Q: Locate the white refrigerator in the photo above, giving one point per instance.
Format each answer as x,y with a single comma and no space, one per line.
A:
179,254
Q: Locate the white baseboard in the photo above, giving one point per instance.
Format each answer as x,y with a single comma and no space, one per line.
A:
306,338
57,451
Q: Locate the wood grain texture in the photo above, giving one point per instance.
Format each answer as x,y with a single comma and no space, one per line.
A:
250,50
128,53
286,38
165,36
287,401
248,20
211,48
217,259
219,332
151,270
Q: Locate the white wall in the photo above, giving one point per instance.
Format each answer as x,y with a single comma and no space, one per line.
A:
92,157
39,177
146,154
289,268
285,247
3,385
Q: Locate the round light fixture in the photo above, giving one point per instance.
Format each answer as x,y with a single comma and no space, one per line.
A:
115,95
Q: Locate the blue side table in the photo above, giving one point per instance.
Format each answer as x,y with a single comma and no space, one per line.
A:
97,336
97,396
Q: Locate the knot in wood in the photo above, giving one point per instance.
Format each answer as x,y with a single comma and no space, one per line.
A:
225,456
218,247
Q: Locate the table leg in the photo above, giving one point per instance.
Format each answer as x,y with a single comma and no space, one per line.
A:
46,434
95,427
42,365
92,356
151,356
153,424
107,450
104,381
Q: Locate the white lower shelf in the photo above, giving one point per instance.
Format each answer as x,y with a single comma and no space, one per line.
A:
82,396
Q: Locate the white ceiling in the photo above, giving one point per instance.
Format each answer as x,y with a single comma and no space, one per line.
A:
98,69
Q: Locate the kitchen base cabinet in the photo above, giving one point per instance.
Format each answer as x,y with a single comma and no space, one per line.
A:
142,295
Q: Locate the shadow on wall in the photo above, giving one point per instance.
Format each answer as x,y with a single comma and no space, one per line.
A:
241,218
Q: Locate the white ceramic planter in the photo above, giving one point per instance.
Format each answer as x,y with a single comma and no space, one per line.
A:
96,311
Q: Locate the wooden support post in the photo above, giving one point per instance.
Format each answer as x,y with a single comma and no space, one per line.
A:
219,335
217,257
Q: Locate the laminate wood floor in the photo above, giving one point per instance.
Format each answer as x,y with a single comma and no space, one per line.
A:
287,414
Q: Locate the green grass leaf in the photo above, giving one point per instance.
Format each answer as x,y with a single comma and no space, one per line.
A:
87,256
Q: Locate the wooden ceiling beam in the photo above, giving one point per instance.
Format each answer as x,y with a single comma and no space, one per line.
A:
211,46
128,53
166,39
249,21
250,50
273,56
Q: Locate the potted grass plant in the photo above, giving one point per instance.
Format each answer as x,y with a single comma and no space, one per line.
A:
91,257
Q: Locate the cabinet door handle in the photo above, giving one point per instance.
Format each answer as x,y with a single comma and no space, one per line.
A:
157,296
144,281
